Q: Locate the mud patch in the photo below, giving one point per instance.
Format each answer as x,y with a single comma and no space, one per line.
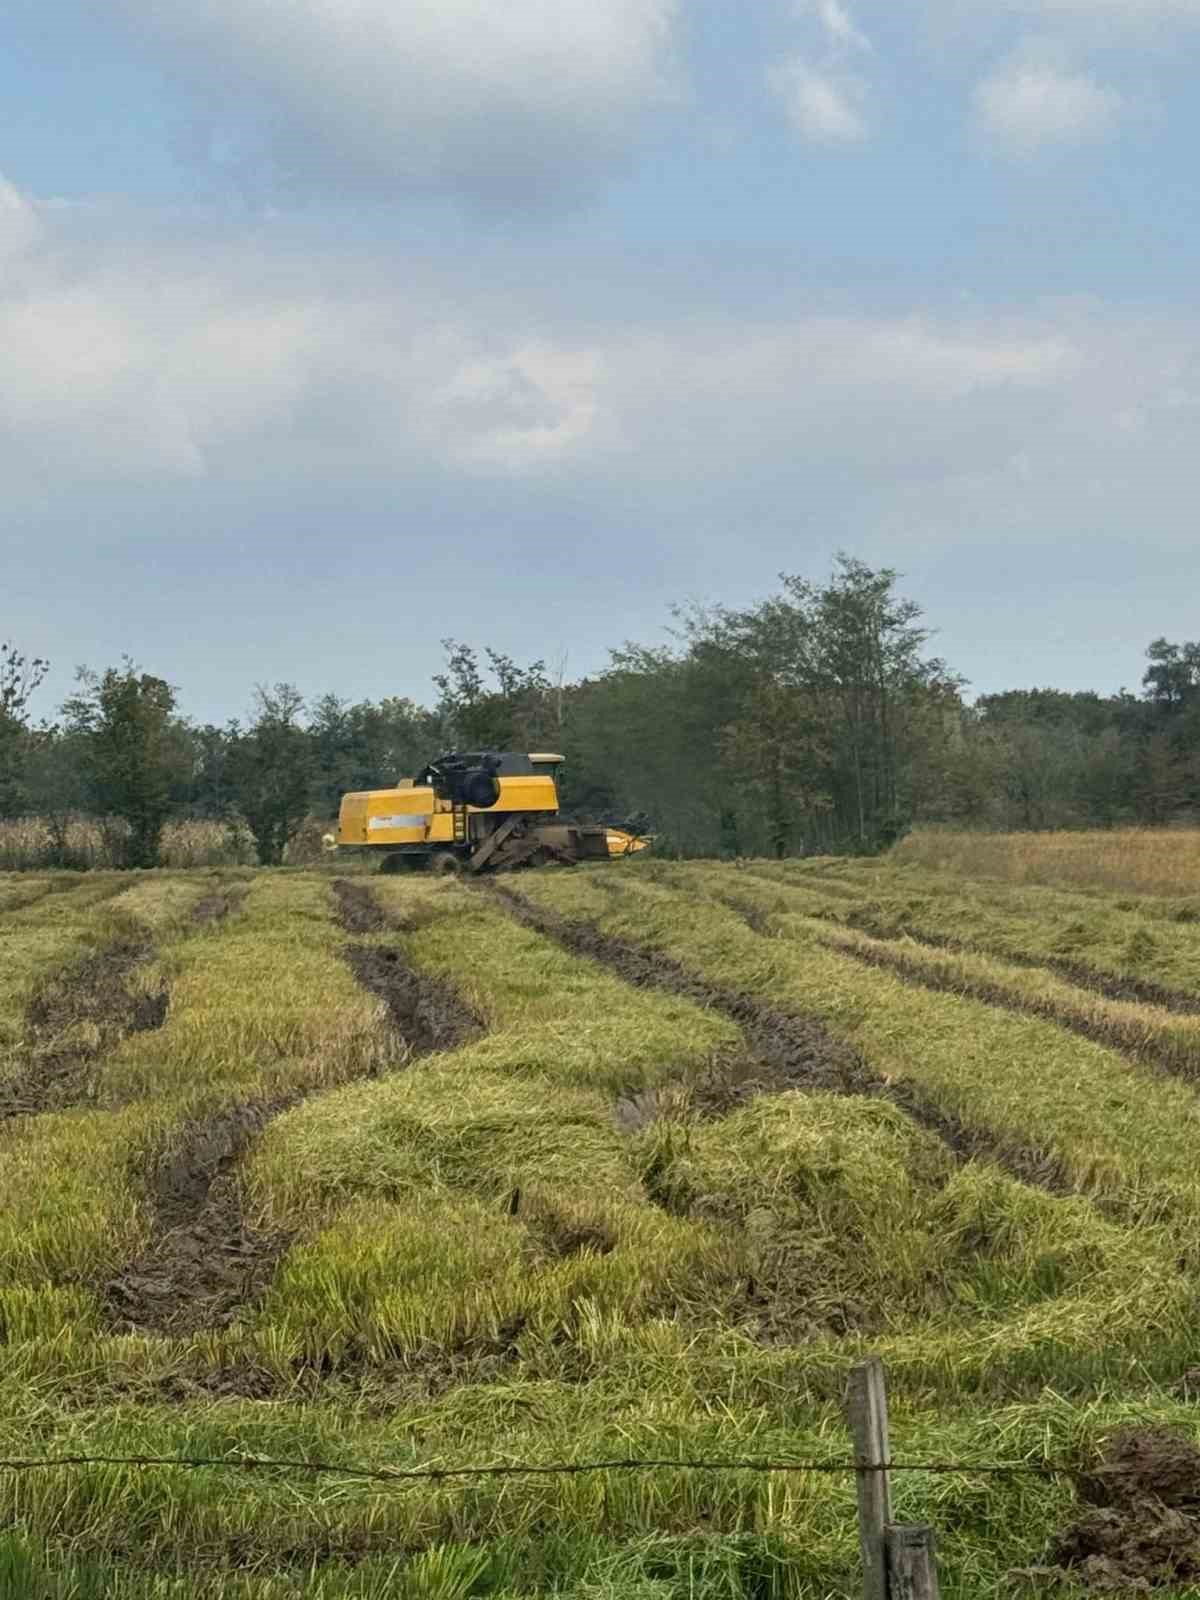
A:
358,909
204,1263
217,905
427,1014
72,1021
1140,1530
359,912
790,1050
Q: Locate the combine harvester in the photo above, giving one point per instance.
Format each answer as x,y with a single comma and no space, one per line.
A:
482,811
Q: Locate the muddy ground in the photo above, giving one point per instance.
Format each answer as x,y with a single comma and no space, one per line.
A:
73,1021
1139,1525
77,1016
205,1263
428,1015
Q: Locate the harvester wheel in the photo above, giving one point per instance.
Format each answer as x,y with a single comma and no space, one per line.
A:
396,861
445,865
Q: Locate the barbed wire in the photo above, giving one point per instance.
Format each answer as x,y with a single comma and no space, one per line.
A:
1039,1469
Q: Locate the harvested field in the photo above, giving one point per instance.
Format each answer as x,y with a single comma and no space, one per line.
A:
628,1161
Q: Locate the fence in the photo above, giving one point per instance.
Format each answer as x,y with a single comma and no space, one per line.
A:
899,1561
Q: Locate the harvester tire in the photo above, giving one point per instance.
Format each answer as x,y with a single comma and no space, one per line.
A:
445,865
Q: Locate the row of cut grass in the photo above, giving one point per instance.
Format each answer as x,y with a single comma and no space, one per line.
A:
1145,1031
493,1119
1118,940
261,1005
1119,1134
487,1192
51,931
589,1321
551,1531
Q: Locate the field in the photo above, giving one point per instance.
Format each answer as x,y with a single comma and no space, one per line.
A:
1140,861
619,1163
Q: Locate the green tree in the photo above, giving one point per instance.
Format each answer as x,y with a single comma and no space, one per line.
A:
518,713
776,743
269,770
124,726
20,676
367,746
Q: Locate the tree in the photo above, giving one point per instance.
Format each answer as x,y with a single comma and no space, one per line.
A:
517,714
20,676
132,752
269,770
776,744
366,746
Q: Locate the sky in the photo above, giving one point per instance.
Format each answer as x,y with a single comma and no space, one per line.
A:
334,329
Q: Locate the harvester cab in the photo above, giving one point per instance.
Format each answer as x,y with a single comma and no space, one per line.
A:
476,811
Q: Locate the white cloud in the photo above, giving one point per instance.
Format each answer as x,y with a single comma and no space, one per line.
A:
824,106
1029,103
19,224
146,365
511,102
840,26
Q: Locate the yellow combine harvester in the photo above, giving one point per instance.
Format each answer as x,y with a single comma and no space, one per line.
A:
482,811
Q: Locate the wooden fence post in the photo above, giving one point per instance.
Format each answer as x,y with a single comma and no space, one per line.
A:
911,1563
866,1406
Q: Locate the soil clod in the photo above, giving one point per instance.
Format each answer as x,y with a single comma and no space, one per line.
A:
1141,1527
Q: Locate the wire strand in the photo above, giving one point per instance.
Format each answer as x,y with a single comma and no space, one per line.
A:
1040,1469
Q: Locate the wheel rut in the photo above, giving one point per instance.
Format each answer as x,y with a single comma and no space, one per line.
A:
205,1263
1122,1035
797,1051
76,1017
863,918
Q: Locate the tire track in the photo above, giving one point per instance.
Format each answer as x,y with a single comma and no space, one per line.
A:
1124,1036
1110,986
797,1050
205,1263
93,1001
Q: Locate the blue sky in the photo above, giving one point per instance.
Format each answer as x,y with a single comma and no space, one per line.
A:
333,329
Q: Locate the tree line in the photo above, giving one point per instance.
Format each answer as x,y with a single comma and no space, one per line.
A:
814,721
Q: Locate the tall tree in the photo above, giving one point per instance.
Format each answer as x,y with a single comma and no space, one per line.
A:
517,713
269,771
20,676
124,724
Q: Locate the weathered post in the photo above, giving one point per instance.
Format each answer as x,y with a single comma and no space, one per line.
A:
866,1407
911,1563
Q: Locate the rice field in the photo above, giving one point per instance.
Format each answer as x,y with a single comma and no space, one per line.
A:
624,1162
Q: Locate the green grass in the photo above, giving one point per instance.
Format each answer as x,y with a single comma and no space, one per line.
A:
488,1264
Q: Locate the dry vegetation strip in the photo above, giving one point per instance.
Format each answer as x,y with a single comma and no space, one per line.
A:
1150,861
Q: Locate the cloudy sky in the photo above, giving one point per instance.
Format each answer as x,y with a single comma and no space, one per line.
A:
334,327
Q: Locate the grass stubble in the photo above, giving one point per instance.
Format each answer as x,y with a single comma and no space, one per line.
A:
598,1220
